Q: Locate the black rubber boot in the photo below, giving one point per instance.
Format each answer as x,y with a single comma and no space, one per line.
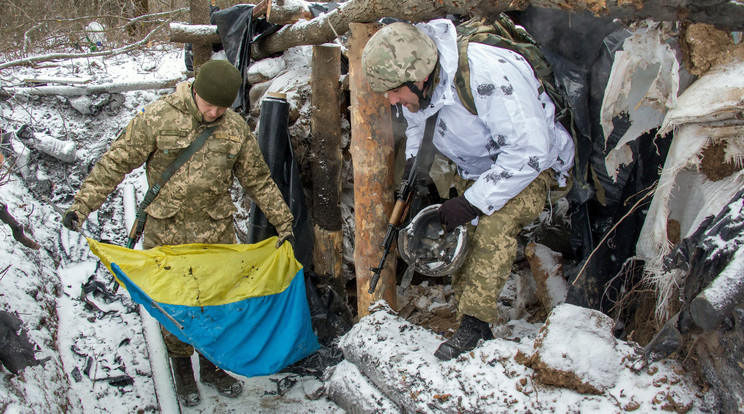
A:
471,331
219,379
183,376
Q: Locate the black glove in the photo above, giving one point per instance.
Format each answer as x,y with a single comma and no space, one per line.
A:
71,220
286,237
455,212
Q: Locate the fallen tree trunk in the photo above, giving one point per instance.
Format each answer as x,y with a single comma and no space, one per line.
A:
721,13
114,87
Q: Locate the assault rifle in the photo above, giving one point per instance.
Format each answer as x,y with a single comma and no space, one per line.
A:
400,211
416,179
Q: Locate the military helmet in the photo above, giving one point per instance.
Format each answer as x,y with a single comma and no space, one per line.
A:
396,54
430,250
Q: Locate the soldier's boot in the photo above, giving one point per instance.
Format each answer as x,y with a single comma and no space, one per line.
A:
183,376
466,338
219,379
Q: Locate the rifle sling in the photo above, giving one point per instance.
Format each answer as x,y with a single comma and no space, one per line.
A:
424,160
153,191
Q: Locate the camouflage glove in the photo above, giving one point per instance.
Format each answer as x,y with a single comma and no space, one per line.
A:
281,238
71,220
455,212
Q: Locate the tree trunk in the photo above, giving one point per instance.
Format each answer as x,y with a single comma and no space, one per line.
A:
721,13
287,12
64,90
372,156
724,14
194,33
326,167
200,15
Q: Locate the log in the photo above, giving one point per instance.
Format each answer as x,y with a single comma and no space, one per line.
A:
325,125
723,14
207,33
287,12
194,33
114,87
372,158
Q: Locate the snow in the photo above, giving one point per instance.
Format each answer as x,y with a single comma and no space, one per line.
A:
494,378
91,339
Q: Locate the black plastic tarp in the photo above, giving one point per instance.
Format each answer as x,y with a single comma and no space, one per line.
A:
581,49
273,138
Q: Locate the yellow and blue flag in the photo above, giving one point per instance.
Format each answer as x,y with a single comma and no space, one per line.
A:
243,306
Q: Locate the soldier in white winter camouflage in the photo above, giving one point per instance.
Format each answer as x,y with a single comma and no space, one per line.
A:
194,206
509,152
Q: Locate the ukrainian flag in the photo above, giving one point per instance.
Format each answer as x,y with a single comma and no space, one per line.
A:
243,306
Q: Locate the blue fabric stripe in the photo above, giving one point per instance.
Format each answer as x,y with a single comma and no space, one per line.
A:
255,336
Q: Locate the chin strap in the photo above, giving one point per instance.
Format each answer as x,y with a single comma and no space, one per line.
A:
428,89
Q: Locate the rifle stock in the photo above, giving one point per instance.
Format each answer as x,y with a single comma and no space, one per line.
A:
400,210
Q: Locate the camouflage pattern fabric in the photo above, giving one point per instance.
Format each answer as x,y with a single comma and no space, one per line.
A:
176,347
195,205
398,53
493,248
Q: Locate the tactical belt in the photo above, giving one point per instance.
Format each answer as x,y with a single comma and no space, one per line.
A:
139,223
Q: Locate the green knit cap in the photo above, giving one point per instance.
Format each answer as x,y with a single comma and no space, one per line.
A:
218,82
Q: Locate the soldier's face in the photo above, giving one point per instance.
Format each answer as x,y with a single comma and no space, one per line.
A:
209,112
405,97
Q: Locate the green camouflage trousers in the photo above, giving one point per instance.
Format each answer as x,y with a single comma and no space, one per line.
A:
180,230
493,248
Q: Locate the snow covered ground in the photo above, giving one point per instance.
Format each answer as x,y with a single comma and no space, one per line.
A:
91,339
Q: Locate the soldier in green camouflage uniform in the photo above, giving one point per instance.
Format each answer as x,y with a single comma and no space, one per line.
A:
508,153
195,205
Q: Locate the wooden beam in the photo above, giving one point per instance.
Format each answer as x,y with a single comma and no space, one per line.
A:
724,14
194,33
287,12
372,157
325,125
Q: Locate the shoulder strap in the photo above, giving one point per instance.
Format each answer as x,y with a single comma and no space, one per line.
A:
422,165
153,191
501,33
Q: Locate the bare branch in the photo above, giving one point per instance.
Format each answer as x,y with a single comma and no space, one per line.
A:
16,228
113,52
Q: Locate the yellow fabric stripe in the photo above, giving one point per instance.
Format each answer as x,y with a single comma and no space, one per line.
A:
204,274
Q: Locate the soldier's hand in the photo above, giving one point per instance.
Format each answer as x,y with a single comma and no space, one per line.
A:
71,220
455,212
289,237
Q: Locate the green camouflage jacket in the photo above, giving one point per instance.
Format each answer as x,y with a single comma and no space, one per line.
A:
202,185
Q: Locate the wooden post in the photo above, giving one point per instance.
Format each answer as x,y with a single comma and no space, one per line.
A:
325,125
200,15
372,157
